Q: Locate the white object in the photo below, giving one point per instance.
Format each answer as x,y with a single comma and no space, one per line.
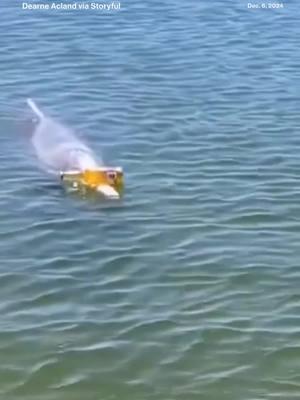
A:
108,191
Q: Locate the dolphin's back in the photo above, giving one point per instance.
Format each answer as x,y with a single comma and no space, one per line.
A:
57,147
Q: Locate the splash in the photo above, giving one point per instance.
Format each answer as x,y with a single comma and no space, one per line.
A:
57,147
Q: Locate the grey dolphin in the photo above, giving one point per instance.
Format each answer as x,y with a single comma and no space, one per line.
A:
57,147
60,150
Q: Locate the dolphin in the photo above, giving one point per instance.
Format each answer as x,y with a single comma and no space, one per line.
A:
60,150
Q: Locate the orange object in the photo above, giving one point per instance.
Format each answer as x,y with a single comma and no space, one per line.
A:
96,179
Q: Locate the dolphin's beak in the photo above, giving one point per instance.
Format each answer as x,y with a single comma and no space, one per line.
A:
108,191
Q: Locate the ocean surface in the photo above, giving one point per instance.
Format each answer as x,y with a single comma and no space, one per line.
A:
188,288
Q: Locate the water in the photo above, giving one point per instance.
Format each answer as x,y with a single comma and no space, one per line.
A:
189,287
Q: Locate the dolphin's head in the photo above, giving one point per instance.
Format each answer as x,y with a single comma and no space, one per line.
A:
107,181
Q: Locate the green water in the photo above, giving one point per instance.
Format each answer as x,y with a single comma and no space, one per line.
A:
189,287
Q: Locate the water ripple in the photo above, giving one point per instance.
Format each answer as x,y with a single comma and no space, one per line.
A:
188,288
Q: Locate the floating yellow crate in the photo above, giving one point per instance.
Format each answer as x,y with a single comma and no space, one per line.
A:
105,180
